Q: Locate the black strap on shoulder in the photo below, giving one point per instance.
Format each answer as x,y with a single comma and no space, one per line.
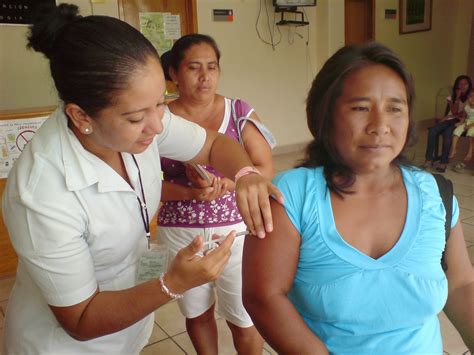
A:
446,191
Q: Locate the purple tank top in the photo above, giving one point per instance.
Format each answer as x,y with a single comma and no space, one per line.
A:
202,214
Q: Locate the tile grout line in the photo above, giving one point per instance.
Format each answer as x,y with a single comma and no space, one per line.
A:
179,346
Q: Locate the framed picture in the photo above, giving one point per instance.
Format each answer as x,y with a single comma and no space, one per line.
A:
415,16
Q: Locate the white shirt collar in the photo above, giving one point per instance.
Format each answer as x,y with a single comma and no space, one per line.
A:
82,168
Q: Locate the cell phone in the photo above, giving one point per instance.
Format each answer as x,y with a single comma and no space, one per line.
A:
202,172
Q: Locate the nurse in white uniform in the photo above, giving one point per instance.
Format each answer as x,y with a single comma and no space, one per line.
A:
78,200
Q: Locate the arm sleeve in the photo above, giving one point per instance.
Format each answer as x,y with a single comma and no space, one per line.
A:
293,192
181,139
243,108
242,112
455,216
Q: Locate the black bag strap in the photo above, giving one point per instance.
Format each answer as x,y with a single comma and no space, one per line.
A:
446,192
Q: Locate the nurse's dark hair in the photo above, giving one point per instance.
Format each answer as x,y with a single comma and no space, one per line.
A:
320,107
91,58
178,52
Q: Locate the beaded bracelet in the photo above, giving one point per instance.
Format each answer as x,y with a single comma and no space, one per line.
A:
245,171
166,290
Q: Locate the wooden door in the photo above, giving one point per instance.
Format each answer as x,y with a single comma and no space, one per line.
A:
8,258
359,21
129,10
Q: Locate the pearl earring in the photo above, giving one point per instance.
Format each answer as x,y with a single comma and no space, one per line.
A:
87,130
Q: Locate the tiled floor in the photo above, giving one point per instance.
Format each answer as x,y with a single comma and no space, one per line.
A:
169,335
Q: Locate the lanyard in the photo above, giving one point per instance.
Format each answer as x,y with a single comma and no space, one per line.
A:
142,204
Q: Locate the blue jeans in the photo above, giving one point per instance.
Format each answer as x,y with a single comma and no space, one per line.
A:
444,129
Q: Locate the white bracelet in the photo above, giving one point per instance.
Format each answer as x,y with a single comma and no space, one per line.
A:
167,291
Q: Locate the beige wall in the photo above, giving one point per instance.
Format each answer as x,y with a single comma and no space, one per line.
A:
25,78
24,75
276,81
433,57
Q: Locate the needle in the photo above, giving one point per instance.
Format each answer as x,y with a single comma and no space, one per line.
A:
222,237
212,244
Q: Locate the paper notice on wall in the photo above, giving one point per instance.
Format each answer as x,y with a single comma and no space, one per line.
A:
14,136
172,26
153,28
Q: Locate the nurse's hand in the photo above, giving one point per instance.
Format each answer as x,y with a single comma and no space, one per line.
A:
188,270
252,194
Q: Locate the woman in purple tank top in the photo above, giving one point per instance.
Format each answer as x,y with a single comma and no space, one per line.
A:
193,205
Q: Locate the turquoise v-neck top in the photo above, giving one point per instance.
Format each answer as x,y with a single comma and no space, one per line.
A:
357,304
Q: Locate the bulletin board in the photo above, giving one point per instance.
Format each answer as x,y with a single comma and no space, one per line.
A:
23,124
129,11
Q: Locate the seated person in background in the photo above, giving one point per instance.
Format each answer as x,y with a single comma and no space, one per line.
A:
465,125
353,264
454,108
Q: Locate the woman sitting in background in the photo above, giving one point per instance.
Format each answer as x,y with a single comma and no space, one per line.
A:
445,127
354,262
465,126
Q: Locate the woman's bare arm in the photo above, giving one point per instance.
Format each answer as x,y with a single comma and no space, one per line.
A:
176,192
268,270
460,305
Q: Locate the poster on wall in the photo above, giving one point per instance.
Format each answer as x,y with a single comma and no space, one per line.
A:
14,136
160,28
21,12
172,26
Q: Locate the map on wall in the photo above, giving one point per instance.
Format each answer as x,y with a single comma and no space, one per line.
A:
14,136
160,28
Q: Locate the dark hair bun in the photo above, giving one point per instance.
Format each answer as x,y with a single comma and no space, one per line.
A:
49,23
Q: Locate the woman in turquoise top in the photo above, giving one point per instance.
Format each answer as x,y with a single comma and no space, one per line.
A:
358,244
